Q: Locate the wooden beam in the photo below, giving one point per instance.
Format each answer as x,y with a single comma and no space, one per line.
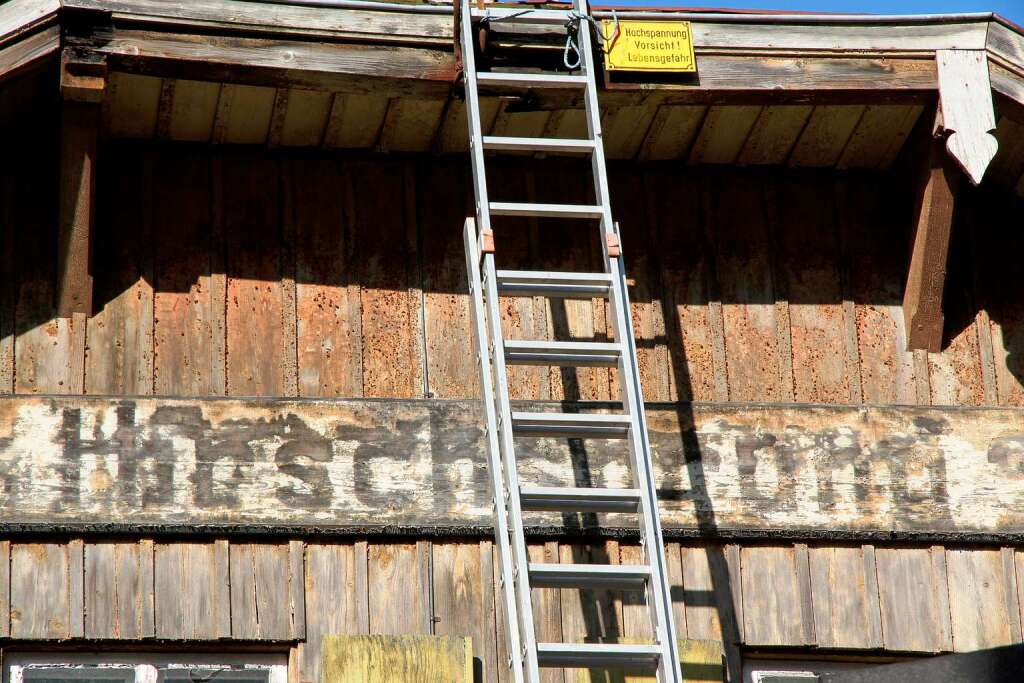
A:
83,84
968,116
933,222
361,467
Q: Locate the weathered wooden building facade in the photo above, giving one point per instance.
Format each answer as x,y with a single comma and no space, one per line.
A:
238,398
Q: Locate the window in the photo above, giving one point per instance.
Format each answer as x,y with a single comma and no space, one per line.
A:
794,671
141,668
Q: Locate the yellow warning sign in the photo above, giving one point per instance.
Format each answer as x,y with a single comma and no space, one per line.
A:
649,46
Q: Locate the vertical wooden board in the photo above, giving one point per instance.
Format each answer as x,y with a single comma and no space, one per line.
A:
5,589
979,600
625,128
700,594
442,206
774,134
907,587
336,603
255,315
244,614
119,356
410,124
879,135
547,607
588,615
399,588
771,597
636,615
49,351
806,269
630,206
747,289
132,105
76,588
561,248
184,302
672,132
355,121
458,590
674,562
115,591
840,597
876,285
723,133
247,120
516,242
825,135
686,263
193,110
327,296
272,572
40,591
191,598
305,119
519,123
404,659
9,278
955,374
387,271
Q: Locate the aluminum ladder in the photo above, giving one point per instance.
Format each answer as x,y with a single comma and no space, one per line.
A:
494,353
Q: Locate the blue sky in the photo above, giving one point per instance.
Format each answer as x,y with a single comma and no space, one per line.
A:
1011,9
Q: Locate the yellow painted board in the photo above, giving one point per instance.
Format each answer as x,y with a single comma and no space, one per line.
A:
397,659
648,46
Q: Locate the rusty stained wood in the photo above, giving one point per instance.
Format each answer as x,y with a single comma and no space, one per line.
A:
418,463
933,223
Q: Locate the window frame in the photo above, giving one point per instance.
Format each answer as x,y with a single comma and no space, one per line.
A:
144,666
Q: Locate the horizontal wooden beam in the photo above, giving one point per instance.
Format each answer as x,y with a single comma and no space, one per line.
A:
417,466
18,55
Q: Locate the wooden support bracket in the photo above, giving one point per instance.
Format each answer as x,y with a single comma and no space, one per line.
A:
968,117
83,84
933,223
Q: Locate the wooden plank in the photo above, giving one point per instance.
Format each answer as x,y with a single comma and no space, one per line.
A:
979,600
306,118
968,116
119,358
823,138
879,136
1012,592
116,591
192,601
255,326
22,53
297,589
146,608
79,123
399,588
926,279
192,110
774,134
685,265
588,615
40,591
410,125
355,121
723,133
907,586
747,289
459,592
133,102
76,587
277,114
772,612
327,300
845,607
391,659
9,273
336,602
248,120
5,589
807,277
452,372
625,129
184,298
547,607
876,285
249,463
387,270
16,18
260,598
672,132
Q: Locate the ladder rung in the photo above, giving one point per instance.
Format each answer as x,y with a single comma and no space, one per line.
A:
571,425
526,16
546,210
555,284
573,354
565,499
528,80
598,655
596,576
558,145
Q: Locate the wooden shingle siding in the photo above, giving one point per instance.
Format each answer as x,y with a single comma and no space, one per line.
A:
251,276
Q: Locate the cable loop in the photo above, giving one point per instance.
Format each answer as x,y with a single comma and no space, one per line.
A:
572,28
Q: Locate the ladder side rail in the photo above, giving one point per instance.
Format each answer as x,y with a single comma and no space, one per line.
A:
521,561
602,195
472,100
658,594
501,531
